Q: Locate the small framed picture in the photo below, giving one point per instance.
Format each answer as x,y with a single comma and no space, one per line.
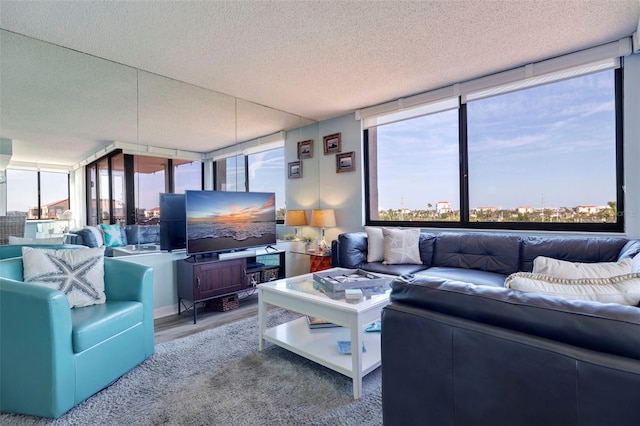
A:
346,162
305,149
332,143
295,169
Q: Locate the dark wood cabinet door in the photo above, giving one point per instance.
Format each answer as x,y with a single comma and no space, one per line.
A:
217,278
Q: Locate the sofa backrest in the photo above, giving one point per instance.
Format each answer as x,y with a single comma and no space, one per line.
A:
483,251
572,249
604,327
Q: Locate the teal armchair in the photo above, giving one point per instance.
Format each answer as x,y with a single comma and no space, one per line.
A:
53,357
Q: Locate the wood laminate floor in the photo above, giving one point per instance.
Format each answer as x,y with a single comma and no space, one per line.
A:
174,326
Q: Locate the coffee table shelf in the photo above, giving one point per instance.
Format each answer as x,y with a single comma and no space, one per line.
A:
321,345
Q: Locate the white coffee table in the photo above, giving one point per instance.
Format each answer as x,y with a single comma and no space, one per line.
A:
320,345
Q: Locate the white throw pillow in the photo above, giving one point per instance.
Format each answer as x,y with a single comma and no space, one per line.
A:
622,289
401,246
375,244
78,273
635,263
563,269
39,241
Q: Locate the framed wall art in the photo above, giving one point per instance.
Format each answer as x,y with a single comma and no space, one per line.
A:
346,162
332,143
295,169
305,149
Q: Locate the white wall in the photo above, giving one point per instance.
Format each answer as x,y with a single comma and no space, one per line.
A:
632,145
320,186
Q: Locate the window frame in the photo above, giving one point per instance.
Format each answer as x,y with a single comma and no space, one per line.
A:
465,223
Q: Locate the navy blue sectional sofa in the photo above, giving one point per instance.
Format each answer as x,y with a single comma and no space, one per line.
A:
460,349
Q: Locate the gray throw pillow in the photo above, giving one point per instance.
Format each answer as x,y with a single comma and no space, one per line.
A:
401,246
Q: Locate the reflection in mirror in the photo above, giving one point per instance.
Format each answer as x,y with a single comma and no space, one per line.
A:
58,105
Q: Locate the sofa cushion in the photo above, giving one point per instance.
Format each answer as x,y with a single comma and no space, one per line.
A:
401,246
78,273
574,249
94,324
622,289
87,236
400,269
472,276
482,251
375,244
563,269
143,234
609,328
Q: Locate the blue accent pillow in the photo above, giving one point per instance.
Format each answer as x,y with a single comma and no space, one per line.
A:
112,235
88,238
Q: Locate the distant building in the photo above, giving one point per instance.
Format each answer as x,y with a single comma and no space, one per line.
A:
587,209
443,207
154,212
486,209
525,209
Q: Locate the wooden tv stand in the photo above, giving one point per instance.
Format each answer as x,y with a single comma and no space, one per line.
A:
205,278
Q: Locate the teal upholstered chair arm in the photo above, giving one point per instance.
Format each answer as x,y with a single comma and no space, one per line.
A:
131,281
36,359
12,268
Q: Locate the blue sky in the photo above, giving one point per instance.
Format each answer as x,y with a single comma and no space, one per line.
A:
553,145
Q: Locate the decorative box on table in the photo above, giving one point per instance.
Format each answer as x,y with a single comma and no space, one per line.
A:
337,280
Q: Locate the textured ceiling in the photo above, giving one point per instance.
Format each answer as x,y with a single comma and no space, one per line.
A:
320,59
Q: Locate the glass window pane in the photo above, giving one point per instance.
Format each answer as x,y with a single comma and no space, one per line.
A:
119,190
414,167
104,210
230,174
149,182
545,154
92,177
187,175
266,174
54,194
22,192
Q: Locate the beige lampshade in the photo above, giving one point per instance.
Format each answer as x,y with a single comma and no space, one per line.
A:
295,218
324,218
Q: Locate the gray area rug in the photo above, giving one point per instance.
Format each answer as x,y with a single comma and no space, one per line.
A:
218,377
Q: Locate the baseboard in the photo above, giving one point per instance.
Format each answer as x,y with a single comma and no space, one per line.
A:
165,311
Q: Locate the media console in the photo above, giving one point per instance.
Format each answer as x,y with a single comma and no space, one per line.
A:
205,278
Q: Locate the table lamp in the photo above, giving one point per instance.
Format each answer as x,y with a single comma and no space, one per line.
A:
323,218
295,218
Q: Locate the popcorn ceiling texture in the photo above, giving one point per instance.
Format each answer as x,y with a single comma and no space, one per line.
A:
314,59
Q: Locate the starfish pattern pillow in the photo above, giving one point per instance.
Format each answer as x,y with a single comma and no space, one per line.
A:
78,273
112,235
401,246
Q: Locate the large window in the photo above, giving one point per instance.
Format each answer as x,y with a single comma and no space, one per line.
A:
263,171
544,157
38,194
266,174
547,154
230,174
125,189
187,175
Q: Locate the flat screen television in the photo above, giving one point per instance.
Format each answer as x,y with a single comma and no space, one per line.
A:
173,222
221,221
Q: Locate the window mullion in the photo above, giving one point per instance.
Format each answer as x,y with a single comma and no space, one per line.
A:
464,164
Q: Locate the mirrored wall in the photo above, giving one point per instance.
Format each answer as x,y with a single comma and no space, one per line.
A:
61,109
